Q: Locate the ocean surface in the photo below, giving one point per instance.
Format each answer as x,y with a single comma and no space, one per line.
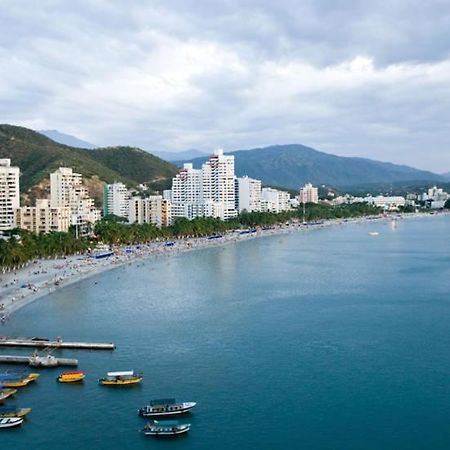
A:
320,339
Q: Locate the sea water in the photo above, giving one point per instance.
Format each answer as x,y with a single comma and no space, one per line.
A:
320,339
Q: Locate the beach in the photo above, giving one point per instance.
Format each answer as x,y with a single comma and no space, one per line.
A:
42,277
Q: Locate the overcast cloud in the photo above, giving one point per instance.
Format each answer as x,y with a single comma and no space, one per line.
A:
362,78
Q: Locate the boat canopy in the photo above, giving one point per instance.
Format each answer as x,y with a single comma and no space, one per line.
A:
162,401
121,374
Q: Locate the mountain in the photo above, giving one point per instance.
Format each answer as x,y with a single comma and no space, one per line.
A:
37,156
66,139
446,176
294,165
179,156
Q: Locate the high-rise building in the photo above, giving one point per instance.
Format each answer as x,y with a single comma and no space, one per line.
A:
274,200
219,182
187,191
115,200
205,192
248,194
67,190
153,209
42,218
9,194
308,194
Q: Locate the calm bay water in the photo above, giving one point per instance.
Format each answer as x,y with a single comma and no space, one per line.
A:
326,339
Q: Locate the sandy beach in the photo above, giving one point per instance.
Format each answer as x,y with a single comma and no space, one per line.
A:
41,277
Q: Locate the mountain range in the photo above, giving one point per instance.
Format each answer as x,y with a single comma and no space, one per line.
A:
288,166
67,139
293,165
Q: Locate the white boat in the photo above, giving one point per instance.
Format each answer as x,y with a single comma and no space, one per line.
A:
165,407
9,422
373,233
166,428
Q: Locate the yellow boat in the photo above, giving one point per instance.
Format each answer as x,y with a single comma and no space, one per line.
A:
71,377
13,380
121,378
12,411
5,393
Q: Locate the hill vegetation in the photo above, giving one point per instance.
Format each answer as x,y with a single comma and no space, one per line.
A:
37,156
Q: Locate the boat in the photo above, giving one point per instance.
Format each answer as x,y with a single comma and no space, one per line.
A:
102,251
71,377
5,393
121,378
165,407
9,422
166,428
13,380
373,233
13,411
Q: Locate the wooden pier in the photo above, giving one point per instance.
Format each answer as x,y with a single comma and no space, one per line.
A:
8,359
59,343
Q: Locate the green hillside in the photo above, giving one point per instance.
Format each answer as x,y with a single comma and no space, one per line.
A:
37,156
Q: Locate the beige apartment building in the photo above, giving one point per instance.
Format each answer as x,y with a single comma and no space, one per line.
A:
43,218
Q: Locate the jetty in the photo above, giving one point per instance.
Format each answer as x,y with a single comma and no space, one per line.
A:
6,341
38,361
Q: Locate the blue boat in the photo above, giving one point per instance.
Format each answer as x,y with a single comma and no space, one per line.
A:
102,255
215,236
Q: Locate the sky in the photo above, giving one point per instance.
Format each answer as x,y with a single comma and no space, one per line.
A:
349,77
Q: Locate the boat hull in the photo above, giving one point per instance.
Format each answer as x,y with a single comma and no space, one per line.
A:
11,422
71,377
167,433
120,382
7,393
144,413
17,413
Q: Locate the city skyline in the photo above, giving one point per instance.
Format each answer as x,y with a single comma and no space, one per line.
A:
350,79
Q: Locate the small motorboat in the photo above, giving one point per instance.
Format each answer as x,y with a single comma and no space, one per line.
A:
165,407
5,393
71,377
374,233
123,378
14,380
9,422
166,428
13,411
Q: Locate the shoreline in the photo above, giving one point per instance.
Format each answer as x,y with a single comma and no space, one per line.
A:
43,277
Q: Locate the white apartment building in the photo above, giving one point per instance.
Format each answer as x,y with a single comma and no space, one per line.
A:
187,191
308,194
9,194
67,190
248,194
274,200
205,192
387,203
42,218
153,209
218,182
116,200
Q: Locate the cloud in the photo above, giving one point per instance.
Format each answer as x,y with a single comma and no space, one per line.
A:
349,77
